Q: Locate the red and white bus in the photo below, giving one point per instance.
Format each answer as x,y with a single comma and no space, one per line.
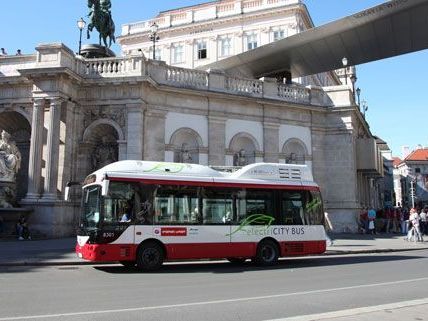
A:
185,211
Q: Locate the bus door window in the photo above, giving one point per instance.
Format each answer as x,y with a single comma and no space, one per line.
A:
256,207
143,203
292,208
176,205
217,206
314,208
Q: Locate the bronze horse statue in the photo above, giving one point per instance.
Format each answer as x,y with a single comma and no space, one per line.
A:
101,19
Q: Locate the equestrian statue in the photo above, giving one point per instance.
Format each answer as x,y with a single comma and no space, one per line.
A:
100,18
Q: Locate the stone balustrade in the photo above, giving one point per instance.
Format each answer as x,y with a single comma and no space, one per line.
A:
58,58
182,77
202,13
111,67
252,87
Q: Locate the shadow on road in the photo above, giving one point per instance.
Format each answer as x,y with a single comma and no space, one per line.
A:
290,263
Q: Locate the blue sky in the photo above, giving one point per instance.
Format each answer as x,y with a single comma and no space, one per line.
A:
394,88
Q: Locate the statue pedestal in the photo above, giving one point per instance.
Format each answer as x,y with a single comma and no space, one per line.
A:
96,51
7,194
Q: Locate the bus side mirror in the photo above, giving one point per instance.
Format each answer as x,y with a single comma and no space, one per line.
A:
104,187
67,190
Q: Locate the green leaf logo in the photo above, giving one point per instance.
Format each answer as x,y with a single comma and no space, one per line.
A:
166,167
256,219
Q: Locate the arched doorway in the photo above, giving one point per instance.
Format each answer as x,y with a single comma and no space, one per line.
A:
100,145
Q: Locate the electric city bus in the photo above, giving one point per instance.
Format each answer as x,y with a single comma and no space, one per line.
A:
144,213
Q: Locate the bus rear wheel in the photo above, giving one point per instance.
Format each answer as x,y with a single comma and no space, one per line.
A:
267,253
150,256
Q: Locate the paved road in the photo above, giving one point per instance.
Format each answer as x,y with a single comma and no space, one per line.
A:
214,291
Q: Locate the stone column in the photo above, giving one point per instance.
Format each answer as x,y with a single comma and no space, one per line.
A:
36,147
154,135
216,140
135,131
52,146
271,142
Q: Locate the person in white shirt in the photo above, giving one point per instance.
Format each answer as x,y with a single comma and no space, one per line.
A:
423,221
415,230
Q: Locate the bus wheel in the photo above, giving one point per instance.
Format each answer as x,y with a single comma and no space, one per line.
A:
236,260
128,264
267,253
150,256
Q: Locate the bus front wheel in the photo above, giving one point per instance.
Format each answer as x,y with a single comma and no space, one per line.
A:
150,256
267,253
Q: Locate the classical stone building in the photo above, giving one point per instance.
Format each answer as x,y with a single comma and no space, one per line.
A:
198,35
70,115
411,178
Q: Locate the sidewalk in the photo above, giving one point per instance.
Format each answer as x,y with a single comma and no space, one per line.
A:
61,251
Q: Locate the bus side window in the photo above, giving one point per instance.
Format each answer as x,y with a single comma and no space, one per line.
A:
255,205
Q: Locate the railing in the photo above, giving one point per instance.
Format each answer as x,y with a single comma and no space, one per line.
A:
57,58
294,93
111,67
186,77
184,15
244,86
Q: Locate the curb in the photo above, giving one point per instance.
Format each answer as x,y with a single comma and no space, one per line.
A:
83,263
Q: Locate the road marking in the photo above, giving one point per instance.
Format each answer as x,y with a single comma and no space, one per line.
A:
182,305
356,311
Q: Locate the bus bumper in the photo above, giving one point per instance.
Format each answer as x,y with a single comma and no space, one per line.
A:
106,252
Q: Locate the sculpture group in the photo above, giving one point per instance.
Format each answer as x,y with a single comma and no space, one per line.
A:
10,163
101,19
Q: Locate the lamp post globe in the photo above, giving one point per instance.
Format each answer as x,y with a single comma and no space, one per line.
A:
81,25
345,64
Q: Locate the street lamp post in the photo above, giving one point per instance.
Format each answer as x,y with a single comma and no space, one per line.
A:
353,80
154,37
81,25
345,64
358,95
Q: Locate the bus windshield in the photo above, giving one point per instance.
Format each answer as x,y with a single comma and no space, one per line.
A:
90,216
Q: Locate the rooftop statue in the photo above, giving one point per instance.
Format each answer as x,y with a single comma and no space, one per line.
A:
100,18
10,158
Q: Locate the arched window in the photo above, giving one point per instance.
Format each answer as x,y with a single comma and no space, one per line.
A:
295,151
186,144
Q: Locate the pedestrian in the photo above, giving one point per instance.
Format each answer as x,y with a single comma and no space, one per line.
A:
372,218
328,228
404,221
389,215
18,52
423,221
22,229
363,221
3,52
414,232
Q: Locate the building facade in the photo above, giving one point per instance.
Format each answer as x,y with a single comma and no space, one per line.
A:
411,179
70,116
194,36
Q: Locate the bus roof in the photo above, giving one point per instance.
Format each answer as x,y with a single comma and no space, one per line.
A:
254,174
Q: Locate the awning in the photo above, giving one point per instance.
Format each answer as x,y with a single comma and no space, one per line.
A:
387,30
